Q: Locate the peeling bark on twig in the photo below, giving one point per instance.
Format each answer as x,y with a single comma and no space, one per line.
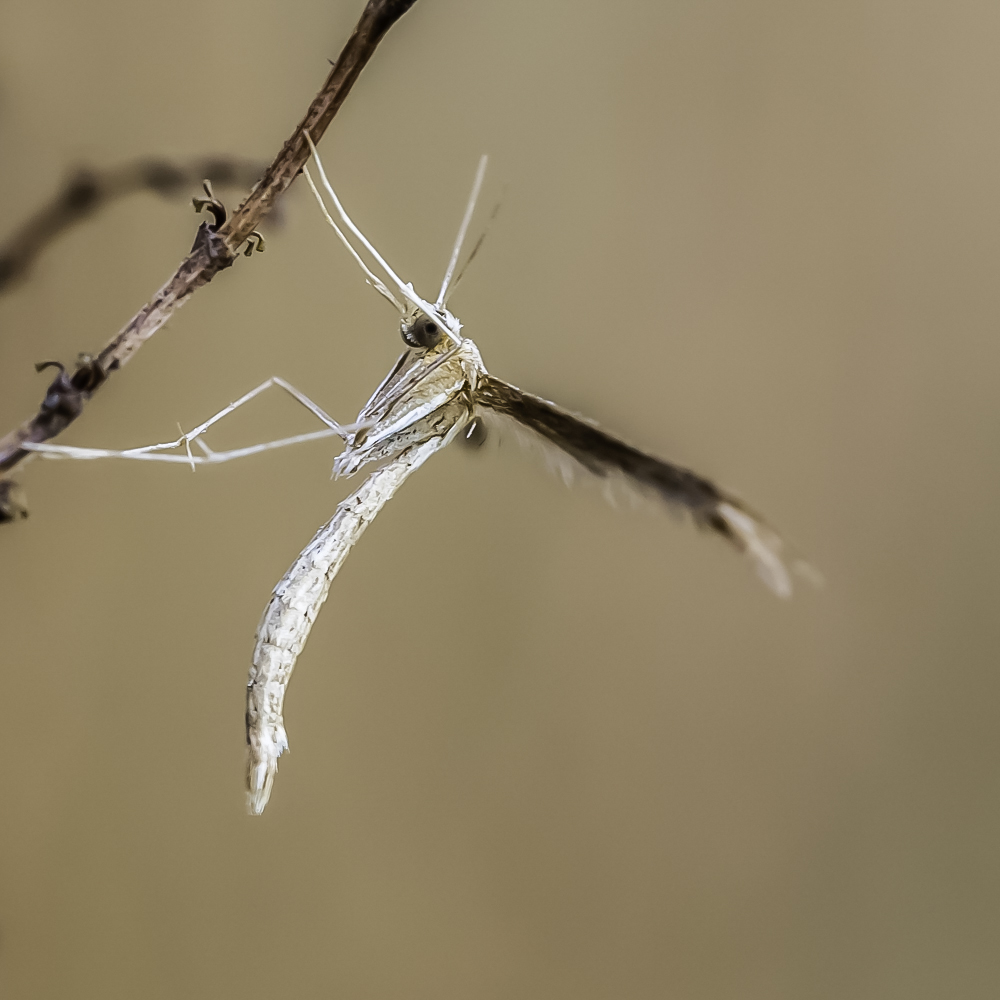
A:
215,250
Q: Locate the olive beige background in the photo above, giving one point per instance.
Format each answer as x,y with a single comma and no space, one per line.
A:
540,747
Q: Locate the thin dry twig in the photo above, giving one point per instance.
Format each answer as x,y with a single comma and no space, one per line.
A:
215,245
88,190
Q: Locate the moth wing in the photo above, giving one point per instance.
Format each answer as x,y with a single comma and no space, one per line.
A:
574,444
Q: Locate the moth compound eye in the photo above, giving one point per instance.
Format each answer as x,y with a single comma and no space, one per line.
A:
423,332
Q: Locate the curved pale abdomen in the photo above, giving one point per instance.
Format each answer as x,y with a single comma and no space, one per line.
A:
293,608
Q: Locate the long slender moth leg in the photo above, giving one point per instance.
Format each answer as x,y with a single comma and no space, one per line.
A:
208,458
158,452
302,398
275,380
295,603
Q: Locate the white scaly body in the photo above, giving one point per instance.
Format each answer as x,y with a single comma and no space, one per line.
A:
423,404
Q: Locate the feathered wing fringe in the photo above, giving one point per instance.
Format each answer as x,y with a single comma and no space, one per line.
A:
293,608
572,443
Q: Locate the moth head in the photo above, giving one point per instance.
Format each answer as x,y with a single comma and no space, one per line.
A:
422,325
425,331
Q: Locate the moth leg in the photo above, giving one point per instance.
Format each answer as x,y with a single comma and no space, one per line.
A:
159,452
297,395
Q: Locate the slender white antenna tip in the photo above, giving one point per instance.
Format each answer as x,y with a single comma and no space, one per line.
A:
466,219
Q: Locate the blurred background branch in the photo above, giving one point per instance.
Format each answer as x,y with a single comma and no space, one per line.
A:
214,248
88,190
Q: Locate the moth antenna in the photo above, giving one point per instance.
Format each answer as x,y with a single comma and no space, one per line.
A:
373,279
405,290
475,250
466,219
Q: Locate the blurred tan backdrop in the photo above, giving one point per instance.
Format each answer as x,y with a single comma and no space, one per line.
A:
540,747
